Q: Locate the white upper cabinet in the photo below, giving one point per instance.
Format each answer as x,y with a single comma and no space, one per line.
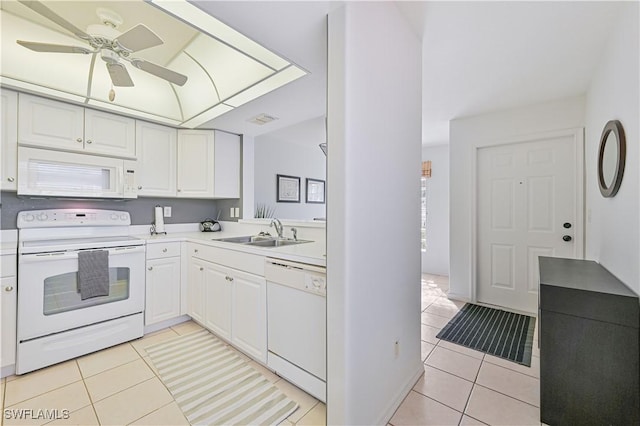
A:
195,163
9,134
157,161
227,165
109,134
57,125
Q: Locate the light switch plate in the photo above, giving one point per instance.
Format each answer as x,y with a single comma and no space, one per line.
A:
237,214
231,212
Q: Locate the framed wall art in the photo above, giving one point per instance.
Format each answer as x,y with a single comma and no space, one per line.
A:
288,189
315,191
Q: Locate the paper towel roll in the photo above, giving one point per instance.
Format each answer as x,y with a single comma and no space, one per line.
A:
159,221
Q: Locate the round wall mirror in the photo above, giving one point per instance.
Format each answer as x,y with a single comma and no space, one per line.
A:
613,151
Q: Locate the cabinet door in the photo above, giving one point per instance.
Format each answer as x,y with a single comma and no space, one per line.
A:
162,290
195,163
227,165
249,320
195,290
156,152
218,290
50,124
109,134
8,308
9,134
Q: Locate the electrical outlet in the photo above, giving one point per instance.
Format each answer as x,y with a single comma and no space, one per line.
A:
167,211
231,212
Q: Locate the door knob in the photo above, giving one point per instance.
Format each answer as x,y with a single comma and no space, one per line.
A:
150,268
79,140
566,225
567,238
8,288
10,179
89,141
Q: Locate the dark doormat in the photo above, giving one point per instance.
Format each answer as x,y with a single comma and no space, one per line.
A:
493,331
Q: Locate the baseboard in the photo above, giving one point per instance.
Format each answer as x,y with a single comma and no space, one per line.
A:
164,324
8,370
391,409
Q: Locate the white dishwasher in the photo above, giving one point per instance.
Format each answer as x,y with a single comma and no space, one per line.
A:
297,324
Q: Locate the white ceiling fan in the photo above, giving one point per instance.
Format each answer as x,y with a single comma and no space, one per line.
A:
113,46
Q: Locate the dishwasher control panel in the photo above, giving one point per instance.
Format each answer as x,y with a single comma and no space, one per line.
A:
309,278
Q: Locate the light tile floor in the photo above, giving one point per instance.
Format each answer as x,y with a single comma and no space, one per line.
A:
120,386
462,386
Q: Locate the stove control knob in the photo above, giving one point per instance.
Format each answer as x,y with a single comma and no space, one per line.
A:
123,216
43,216
28,217
114,216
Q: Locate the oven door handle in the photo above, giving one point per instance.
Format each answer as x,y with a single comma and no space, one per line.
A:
65,255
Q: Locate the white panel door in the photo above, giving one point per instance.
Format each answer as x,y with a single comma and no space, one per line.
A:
156,148
109,134
195,163
51,124
249,314
218,289
527,207
9,134
162,290
227,165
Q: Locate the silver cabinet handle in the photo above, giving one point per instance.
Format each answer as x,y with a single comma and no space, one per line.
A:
140,187
164,250
89,141
228,278
195,250
10,179
79,140
150,268
179,190
201,268
8,288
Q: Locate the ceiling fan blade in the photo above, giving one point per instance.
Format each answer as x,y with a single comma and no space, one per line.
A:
138,38
52,48
119,75
43,10
158,71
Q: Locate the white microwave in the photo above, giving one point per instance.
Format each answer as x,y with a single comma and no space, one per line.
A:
47,173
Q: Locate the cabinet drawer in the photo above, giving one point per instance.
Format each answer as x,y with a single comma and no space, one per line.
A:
9,265
160,250
251,263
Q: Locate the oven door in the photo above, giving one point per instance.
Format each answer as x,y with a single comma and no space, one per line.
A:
48,296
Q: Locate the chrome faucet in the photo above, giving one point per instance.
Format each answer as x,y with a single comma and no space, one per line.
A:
275,222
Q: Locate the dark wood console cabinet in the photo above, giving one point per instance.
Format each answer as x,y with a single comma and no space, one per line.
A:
589,334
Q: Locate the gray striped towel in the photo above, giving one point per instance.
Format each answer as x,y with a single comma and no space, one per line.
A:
93,273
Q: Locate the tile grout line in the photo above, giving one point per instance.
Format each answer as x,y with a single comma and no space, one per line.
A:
158,409
508,396
44,393
108,369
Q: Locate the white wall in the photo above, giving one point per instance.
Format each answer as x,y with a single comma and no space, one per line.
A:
247,177
466,135
272,157
374,137
613,236
436,259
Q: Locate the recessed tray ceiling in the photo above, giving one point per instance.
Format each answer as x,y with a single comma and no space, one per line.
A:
224,68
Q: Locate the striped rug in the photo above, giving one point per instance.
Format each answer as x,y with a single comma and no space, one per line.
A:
214,386
493,331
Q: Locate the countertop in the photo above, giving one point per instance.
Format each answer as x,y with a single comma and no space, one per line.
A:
313,253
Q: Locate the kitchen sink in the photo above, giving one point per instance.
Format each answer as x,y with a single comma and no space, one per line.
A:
261,241
244,240
277,242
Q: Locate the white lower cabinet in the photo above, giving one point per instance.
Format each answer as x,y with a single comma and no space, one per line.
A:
8,312
163,284
195,289
229,302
